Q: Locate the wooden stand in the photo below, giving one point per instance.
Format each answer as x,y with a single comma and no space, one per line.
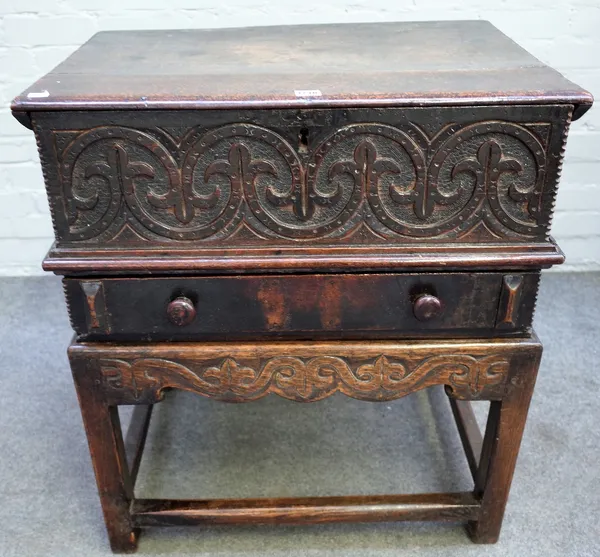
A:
502,371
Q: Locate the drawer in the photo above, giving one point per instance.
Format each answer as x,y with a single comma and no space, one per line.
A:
302,306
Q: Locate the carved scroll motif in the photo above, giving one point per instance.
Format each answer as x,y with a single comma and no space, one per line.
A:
304,379
504,165
397,179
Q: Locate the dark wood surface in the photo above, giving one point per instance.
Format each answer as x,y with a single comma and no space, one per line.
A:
503,435
359,64
315,306
240,190
451,257
129,373
456,507
107,450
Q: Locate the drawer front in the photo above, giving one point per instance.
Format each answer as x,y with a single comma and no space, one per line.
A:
302,306
301,178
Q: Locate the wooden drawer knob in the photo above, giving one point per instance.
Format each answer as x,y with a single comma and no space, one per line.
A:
427,307
181,311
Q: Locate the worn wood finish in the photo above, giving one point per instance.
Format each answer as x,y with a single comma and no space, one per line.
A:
115,485
450,257
307,210
365,180
307,510
111,374
359,64
301,306
300,371
501,448
470,434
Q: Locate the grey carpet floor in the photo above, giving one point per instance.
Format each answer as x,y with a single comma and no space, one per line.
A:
200,448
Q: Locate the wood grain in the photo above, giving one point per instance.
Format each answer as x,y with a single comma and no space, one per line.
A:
107,450
328,259
293,306
293,244
107,374
364,177
502,441
307,510
304,372
358,64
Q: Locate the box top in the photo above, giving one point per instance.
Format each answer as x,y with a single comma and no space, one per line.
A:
301,66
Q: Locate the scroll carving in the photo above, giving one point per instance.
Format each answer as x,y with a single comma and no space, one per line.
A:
304,379
398,180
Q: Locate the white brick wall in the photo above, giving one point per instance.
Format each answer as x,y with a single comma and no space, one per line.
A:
35,35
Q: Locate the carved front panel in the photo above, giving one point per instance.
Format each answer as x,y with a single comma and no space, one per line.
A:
292,177
239,372
305,379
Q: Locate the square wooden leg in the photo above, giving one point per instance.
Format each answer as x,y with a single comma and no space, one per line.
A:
504,431
105,439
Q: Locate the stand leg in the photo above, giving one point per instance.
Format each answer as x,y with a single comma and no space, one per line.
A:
105,439
504,431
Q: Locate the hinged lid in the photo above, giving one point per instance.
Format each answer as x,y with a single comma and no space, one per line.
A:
365,64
